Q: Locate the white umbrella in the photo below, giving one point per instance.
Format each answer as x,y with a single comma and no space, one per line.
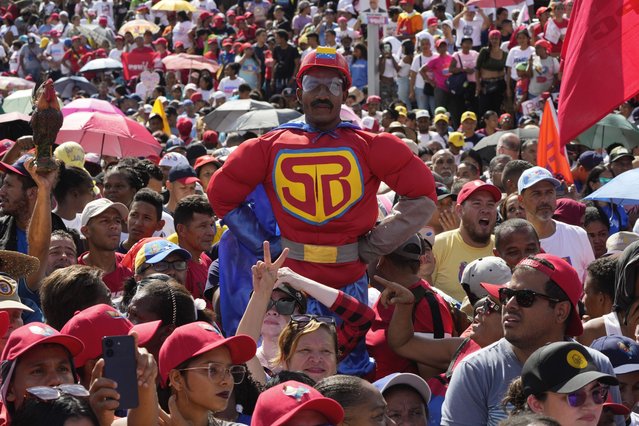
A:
102,64
224,115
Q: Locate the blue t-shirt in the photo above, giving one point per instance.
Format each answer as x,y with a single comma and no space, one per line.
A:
23,244
359,73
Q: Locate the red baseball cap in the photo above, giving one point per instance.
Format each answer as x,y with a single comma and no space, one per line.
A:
545,44
146,331
206,159
210,137
541,11
563,275
195,97
205,15
227,42
279,404
160,40
196,338
432,21
178,44
477,185
36,333
91,325
230,12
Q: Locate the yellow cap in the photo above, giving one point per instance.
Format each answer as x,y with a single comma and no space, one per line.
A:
468,114
44,42
441,117
456,138
401,110
71,154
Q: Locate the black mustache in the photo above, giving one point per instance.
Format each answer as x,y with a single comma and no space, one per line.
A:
318,102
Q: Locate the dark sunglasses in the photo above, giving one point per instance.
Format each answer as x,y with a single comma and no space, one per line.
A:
487,306
48,393
304,319
578,398
282,306
524,298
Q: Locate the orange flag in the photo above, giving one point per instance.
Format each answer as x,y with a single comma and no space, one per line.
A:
550,153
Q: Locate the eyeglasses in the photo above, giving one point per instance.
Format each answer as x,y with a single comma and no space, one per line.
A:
488,306
282,306
217,371
524,298
335,85
578,398
48,393
305,319
178,265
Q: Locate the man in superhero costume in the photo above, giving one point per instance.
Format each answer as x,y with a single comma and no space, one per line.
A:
321,177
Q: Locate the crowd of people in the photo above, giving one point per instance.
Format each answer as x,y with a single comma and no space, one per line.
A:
362,265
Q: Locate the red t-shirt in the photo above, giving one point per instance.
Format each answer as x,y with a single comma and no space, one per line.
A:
196,275
386,360
114,279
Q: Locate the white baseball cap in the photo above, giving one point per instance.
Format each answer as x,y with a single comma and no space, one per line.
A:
99,206
172,159
489,269
408,379
533,176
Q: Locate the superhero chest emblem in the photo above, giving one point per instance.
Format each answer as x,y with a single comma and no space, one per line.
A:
317,185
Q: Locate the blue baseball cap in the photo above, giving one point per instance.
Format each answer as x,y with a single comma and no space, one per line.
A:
590,159
17,167
622,352
533,176
158,250
173,144
183,173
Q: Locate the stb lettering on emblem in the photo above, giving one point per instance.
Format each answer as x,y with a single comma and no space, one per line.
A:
318,185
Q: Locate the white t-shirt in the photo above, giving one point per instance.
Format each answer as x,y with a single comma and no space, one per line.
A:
469,29
116,54
418,62
228,86
75,224
571,244
544,71
181,33
517,56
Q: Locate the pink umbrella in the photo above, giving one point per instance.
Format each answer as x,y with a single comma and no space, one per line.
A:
90,105
108,134
183,61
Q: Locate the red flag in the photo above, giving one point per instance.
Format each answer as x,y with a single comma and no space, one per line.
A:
601,63
550,152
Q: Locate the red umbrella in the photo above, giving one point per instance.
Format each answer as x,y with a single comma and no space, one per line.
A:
108,134
493,3
183,61
90,105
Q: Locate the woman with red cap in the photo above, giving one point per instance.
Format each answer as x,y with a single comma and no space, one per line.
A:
201,367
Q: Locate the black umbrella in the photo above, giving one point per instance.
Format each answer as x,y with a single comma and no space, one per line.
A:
14,125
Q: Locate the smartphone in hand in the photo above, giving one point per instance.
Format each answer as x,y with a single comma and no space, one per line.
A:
120,365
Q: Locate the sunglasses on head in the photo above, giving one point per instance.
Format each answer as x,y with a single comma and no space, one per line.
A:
284,306
487,306
49,393
305,319
578,398
524,298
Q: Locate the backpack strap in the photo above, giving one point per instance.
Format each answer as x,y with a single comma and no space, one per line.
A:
438,324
